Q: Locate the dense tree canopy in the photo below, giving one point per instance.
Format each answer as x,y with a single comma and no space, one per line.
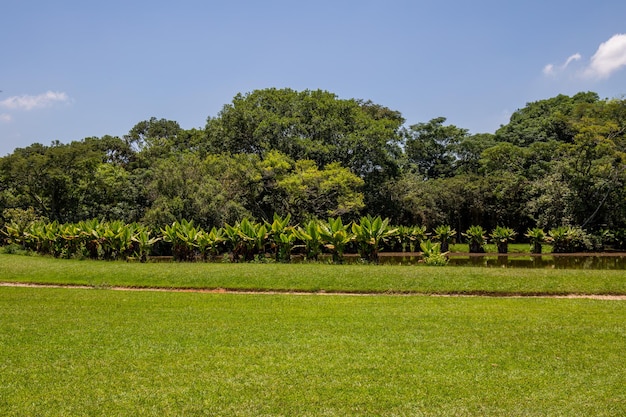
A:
310,154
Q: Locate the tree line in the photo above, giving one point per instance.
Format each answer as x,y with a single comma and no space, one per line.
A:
311,155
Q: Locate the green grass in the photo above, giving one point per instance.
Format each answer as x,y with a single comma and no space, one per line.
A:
98,352
313,277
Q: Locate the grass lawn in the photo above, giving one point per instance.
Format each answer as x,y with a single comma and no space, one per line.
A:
313,277
114,353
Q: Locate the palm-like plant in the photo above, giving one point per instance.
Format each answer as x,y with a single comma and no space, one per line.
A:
70,235
91,232
335,236
537,237
209,242
560,237
501,236
34,237
432,255
245,238
417,234
183,237
402,238
311,236
143,242
476,238
282,237
444,234
370,233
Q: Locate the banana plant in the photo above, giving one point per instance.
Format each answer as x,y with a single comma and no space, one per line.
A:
311,236
71,239
143,242
537,237
16,233
285,242
282,237
402,238
335,236
444,234
183,237
35,238
476,238
501,236
233,241
51,241
369,234
253,236
432,255
209,242
91,232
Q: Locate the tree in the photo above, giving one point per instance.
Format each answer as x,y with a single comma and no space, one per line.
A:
431,147
545,120
187,187
311,192
49,177
153,132
313,125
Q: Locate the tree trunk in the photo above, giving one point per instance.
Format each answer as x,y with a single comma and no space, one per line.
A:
503,247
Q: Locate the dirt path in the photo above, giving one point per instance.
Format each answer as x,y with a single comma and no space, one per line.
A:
228,291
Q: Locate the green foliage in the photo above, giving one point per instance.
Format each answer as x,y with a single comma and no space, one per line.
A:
311,235
432,255
444,234
313,125
370,233
544,120
309,155
183,237
408,237
537,236
569,239
501,236
430,147
335,236
144,242
210,242
282,237
476,238
311,192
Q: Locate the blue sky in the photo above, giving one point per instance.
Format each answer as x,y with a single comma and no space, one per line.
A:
74,69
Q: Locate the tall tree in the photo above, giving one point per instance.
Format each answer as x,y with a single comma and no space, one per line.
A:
314,125
431,147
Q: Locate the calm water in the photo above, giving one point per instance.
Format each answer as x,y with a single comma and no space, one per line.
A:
595,261
578,261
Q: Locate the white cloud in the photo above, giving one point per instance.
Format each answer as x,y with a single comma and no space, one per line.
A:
550,69
5,118
574,57
610,57
26,102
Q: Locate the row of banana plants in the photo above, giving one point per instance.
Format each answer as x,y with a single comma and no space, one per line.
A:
90,238
245,240
249,240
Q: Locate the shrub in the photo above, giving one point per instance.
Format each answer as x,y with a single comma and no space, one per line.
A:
431,254
569,239
537,236
476,238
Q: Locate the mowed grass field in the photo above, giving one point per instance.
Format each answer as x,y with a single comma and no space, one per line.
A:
313,277
95,352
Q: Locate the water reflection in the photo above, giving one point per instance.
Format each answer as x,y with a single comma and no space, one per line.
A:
562,261
545,261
